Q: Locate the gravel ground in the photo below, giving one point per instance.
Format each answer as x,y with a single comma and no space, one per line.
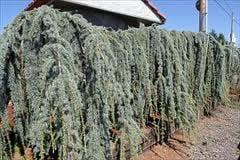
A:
218,136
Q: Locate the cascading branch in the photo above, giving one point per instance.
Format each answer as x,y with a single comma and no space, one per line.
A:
69,90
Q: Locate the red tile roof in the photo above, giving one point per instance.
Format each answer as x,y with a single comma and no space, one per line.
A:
38,3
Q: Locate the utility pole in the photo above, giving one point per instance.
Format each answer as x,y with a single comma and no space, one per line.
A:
238,36
232,38
203,5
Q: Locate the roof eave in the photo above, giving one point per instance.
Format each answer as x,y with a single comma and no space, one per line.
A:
128,15
162,18
155,11
37,3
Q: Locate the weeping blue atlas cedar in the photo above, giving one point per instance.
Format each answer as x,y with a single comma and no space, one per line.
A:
72,84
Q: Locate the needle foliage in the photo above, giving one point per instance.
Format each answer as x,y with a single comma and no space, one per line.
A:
74,85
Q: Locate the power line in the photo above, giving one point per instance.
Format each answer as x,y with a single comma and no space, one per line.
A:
220,5
228,5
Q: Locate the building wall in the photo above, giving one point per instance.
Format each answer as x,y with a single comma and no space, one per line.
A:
99,17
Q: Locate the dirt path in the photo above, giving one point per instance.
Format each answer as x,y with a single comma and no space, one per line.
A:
215,138
219,136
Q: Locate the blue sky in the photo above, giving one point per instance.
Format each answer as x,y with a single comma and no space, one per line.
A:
181,14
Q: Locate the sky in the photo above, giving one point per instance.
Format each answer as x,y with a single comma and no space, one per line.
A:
181,14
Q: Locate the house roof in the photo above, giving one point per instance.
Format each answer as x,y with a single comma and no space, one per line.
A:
155,10
133,9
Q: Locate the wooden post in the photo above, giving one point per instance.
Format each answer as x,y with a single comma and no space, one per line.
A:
232,30
202,15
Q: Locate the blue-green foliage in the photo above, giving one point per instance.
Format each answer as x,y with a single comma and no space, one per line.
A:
71,83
